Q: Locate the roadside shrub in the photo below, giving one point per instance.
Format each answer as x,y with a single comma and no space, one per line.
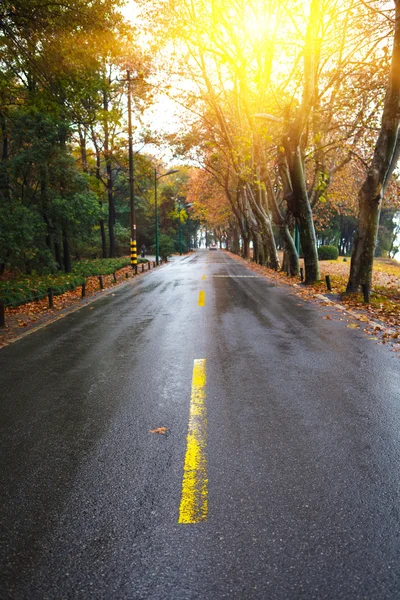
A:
27,288
328,253
166,246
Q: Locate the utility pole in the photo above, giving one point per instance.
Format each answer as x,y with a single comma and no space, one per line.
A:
133,245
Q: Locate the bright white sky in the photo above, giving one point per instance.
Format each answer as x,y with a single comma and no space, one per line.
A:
165,115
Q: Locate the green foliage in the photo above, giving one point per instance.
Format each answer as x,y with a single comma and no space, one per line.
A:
24,289
101,266
388,230
18,291
22,239
166,246
122,238
328,253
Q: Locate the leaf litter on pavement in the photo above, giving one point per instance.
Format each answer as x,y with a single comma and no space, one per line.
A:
159,430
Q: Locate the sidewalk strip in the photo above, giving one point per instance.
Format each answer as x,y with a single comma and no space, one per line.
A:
194,500
202,298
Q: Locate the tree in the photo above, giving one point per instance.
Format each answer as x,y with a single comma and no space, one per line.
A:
386,155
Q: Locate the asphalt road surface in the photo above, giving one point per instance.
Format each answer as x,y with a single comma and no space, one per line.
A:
278,475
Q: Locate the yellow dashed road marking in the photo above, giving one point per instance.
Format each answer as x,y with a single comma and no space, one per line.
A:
194,500
204,277
202,298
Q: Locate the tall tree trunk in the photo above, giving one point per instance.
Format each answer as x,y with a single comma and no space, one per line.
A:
235,241
102,224
259,208
57,254
285,223
4,180
67,253
301,209
386,154
82,146
110,195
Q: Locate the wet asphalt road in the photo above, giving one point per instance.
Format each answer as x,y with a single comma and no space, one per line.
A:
303,448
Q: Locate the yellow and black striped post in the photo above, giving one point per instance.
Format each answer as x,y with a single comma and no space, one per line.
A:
134,255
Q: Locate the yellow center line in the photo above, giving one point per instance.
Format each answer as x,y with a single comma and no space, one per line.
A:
194,500
204,277
202,298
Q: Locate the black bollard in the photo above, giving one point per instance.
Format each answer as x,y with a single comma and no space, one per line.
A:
50,293
2,314
328,282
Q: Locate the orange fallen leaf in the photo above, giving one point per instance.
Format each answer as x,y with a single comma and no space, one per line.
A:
160,430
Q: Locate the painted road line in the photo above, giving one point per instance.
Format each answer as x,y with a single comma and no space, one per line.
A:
202,298
204,277
240,276
194,500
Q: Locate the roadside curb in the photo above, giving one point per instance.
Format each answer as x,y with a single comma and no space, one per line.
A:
356,314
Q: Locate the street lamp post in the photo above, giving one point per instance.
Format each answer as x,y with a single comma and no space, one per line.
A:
180,227
158,176
179,222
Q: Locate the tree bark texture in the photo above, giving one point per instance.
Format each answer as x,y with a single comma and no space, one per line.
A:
386,154
110,194
66,253
301,209
282,222
260,212
101,222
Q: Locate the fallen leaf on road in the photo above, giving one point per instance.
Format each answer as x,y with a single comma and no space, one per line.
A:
160,430
353,326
